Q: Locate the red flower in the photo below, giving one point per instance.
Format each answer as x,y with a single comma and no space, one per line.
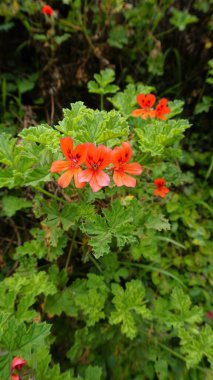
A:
160,190
97,159
47,10
120,157
74,158
209,314
146,102
15,377
161,109
17,363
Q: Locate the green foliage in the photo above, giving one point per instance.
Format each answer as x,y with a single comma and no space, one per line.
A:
11,204
127,303
103,83
86,125
156,137
181,19
115,284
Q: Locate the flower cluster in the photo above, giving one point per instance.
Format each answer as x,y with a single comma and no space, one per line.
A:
94,160
17,364
146,102
47,10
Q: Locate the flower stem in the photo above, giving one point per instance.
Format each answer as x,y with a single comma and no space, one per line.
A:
101,102
70,251
49,194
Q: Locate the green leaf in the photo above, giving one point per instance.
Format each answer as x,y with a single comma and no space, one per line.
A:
128,303
195,344
181,19
7,148
157,222
93,373
155,136
19,293
117,222
184,313
17,339
118,36
100,127
204,105
84,296
102,84
12,204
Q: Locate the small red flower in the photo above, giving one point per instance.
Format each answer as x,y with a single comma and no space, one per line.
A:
15,377
17,363
120,158
146,102
161,109
161,190
47,10
209,314
97,159
74,158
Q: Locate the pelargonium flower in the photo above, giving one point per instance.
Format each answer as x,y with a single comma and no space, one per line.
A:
120,158
17,363
97,159
47,10
161,109
161,190
145,102
71,166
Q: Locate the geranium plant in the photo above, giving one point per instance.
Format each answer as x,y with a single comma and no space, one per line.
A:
94,294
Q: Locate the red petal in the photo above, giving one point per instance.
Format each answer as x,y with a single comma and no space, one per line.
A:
128,180
91,155
150,100
67,147
137,113
133,168
78,184
141,100
66,178
122,179
17,362
127,151
15,377
159,182
166,190
58,166
85,175
102,178
159,193
94,185
163,101
117,178
121,155
105,156
80,153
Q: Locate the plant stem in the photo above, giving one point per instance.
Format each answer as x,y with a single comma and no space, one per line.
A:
179,356
49,194
95,262
70,251
151,268
101,102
